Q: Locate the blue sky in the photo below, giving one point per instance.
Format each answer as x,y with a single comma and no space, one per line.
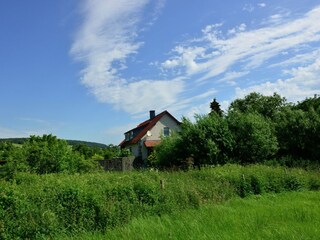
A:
92,69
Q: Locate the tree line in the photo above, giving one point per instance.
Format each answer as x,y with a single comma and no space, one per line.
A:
70,142
254,129
48,154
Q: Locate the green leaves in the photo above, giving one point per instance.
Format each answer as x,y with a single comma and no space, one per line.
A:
256,129
207,141
254,136
41,155
267,106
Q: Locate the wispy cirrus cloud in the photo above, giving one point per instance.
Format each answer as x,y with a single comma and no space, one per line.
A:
223,56
303,58
251,7
214,53
111,34
106,39
248,8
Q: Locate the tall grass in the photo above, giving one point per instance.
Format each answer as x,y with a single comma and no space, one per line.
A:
42,206
294,215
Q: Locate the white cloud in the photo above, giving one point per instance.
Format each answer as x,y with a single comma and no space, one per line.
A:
199,109
106,39
303,82
262,5
192,101
277,18
299,59
185,57
242,27
160,4
213,53
248,8
230,77
142,95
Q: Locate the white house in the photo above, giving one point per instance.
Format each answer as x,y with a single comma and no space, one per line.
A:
141,140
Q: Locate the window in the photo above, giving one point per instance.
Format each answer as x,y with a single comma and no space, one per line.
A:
127,136
166,131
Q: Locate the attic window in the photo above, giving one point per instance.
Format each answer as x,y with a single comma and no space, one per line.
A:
129,136
166,131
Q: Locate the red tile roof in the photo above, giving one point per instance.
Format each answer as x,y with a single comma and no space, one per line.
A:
146,126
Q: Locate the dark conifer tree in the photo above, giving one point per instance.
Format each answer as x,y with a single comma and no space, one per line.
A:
215,108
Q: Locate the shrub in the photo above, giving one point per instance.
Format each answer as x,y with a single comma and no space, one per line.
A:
42,206
254,136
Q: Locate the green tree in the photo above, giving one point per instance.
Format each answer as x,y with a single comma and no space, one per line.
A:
309,104
267,106
171,152
6,149
215,108
298,133
84,150
14,159
207,140
48,154
254,135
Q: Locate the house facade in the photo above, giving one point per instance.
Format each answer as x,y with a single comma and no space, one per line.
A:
141,140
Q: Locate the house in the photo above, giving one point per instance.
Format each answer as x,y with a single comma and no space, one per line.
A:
141,140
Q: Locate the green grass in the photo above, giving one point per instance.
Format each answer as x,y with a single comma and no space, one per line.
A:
44,206
294,215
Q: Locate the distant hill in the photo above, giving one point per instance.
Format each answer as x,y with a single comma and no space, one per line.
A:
89,144
70,142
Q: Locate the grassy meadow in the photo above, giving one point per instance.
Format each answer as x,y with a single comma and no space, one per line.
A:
51,205
291,215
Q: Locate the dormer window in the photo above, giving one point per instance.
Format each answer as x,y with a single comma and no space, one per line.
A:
127,136
166,131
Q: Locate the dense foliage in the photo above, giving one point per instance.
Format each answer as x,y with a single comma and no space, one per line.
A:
43,206
256,129
45,154
48,154
254,137
208,141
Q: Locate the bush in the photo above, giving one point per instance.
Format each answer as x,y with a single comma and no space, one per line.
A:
43,206
207,141
42,155
254,136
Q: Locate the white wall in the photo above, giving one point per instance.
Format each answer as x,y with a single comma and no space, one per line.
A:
157,130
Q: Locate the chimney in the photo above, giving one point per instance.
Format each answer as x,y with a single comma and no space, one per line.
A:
152,114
